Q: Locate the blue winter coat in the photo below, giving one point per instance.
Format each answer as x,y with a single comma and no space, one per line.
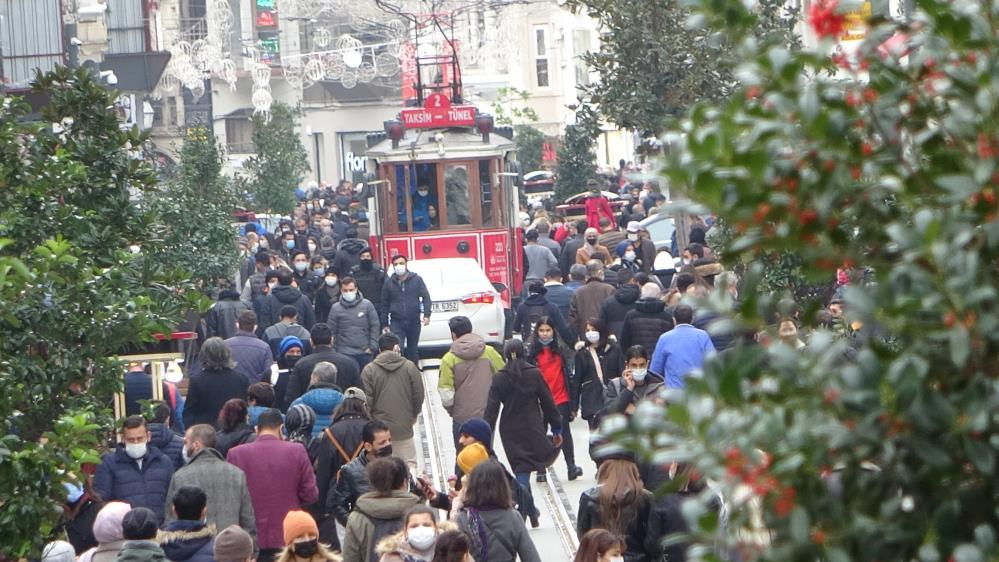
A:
323,400
405,300
120,478
188,541
168,442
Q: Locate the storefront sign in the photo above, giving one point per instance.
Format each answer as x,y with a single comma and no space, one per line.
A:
438,112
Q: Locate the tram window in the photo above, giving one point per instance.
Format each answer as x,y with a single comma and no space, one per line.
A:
456,195
485,182
425,202
400,197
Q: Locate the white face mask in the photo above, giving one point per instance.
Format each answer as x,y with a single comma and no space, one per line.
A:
399,269
592,336
272,284
421,538
632,237
186,455
264,243
301,266
331,281
135,450
639,374
422,192
349,296
630,256
617,559
312,248
319,270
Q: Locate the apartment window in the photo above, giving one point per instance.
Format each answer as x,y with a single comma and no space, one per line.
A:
239,136
31,37
581,46
126,27
172,119
541,57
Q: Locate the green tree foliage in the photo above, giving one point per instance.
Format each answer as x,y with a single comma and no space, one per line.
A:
75,286
196,207
530,143
280,163
880,445
577,158
653,65
509,107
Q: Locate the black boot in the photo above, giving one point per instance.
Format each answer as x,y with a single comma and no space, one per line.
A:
575,472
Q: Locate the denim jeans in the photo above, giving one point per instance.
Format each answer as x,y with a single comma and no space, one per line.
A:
409,337
362,360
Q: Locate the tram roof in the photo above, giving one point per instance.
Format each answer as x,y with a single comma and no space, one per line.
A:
422,145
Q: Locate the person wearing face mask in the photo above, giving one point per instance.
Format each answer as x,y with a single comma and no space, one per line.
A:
597,362
597,206
224,484
376,442
645,248
302,274
370,279
417,539
405,299
588,299
421,208
636,383
591,246
327,294
287,245
627,258
301,538
600,545
280,479
379,513
554,360
355,324
135,472
285,294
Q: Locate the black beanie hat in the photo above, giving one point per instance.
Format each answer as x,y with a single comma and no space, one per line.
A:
139,524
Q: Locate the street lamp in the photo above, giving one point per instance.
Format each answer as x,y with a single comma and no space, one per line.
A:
484,125
395,130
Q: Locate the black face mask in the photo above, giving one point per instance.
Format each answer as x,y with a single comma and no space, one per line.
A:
306,549
290,360
366,265
385,451
591,241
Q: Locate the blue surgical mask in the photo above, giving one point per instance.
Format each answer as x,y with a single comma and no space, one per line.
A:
545,341
289,244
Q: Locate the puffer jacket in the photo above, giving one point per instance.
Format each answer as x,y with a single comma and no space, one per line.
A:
394,387
641,547
119,478
615,308
168,442
221,318
466,376
401,299
323,400
374,514
187,541
645,324
395,548
355,326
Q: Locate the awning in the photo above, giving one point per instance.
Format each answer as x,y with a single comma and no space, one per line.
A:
137,72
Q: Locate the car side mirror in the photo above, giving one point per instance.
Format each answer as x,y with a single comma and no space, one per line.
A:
499,287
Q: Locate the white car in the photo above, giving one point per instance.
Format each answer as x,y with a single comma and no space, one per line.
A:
459,287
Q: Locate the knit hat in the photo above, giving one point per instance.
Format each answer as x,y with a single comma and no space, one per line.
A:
233,544
298,524
107,525
479,429
299,421
354,392
139,524
289,342
471,456
58,551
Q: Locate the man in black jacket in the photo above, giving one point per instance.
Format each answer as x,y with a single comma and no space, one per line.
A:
285,294
404,299
376,440
348,374
568,256
370,280
647,322
614,309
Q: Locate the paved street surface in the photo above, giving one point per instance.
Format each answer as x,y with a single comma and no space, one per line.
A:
558,499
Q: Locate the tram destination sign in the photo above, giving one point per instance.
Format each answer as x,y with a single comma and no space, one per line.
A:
437,112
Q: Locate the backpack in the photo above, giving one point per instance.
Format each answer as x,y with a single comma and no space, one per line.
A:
532,315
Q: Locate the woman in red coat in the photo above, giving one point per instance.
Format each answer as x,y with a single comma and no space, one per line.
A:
597,207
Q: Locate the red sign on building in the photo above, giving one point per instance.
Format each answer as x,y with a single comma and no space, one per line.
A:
437,112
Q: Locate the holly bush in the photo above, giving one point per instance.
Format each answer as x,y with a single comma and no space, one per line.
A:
879,445
76,287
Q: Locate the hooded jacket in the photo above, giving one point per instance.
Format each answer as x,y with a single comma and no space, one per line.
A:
643,325
323,400
395,392
533,309
270,312
401,299
466,375
225,486
355,326
187,541
221,318
395,548
370,282
168,442
372,516
614,309
141,551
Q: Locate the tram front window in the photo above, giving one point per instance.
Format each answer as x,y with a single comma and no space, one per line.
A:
456,195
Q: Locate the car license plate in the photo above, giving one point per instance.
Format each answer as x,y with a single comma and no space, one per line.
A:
444,306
